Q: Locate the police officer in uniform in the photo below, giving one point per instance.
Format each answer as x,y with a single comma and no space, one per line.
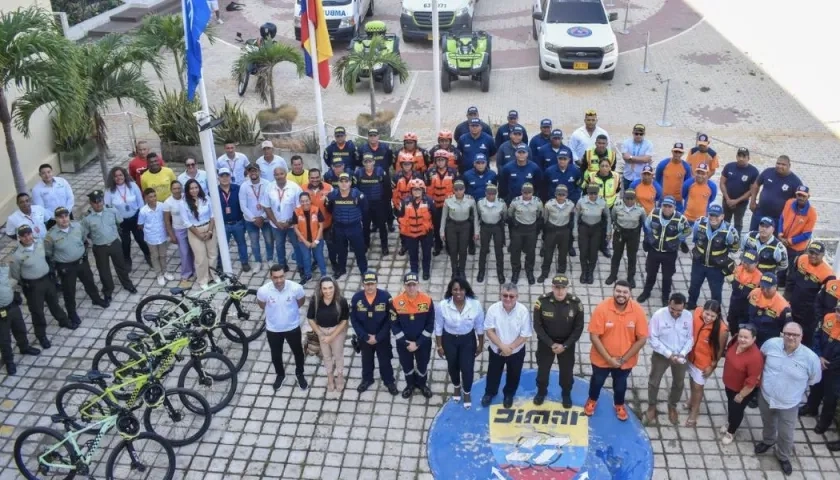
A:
557,232
558,324
714,240
369,315
413,324
66,250
665,230
341,150
592,216
383,156
458,220
11,323
627,219
492,213
772,254
525,217
29,268
348,206
102,226
375,183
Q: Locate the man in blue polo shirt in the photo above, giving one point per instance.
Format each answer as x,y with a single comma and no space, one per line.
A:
542,139
516,174
477,178
736,181
546,156
777,186
474,142
503,133
563,172
463,128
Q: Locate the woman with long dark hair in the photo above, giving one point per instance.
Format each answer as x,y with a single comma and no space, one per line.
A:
198,218
741,375
329,315
710,334
125,196
459,334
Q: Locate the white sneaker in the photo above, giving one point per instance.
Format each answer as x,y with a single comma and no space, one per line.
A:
161,281
727,438
203,286
219,20
257,267
169,277
724,428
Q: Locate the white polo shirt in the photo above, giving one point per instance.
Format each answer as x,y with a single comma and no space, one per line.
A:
251,197
200,177
282,313
267,168
173,206
282,201
236,165
58,194
669,335
154,230
36,219
509,326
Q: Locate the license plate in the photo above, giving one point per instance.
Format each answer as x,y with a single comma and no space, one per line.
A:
580,66
429,37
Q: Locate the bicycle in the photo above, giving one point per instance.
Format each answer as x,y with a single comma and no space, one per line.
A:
54,453
236,292
169,421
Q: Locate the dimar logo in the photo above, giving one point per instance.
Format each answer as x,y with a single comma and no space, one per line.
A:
579,32
539,442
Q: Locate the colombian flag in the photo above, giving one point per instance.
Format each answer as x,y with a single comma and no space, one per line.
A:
313,10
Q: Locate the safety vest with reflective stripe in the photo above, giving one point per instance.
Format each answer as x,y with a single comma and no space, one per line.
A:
714,251
666,239
591,161
416,217
441,185
607,189
766,253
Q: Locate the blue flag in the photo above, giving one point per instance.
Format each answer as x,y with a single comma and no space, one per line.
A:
196,16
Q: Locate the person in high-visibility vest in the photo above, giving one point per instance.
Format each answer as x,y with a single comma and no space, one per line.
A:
416,227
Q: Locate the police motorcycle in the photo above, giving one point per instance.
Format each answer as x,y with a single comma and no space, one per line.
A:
267,33
362,42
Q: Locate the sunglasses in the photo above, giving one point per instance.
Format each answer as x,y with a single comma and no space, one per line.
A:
639,134
508,295
190,164
792,334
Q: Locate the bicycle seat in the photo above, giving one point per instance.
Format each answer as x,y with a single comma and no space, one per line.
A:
89,377
177,291
135,337
151,317
59,418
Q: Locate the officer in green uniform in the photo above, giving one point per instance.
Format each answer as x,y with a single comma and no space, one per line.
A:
557,232
102,226
30,269
628,218
458,220
558,324
65,248
11,323
525,216
591,215
492,213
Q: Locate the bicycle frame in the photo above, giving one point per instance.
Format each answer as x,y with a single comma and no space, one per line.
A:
104,426
169,353
108,395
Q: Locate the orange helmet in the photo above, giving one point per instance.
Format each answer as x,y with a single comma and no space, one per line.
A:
445,135
410,137
441,153
417,183
405,157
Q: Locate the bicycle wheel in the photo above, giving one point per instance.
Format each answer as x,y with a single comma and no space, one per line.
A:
147,455
118,334
246,315
33,443
183,417
213,376
83,403
165,307
230,341
111,359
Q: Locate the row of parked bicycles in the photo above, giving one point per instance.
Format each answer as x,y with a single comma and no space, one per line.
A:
134,376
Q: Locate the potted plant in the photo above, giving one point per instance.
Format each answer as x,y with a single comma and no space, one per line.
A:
238,128
348,70
266,57
74,148
173,119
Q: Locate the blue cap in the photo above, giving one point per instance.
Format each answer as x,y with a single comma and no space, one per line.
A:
480,157
647,169
513,114
716,210
517,129
563,154
545,122
557,133
370,277
521,148
475,121
472,110
766,221
411,277
803,189
750,256
669,200
768,279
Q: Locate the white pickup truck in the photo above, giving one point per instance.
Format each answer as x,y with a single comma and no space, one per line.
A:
344,18
575,38
453,15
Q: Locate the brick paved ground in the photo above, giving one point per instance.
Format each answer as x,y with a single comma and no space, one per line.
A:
294,434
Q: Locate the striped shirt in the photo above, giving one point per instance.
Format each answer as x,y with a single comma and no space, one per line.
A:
450,320
787,376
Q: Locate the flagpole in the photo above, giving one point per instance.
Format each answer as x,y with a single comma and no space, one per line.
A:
316,82
436,61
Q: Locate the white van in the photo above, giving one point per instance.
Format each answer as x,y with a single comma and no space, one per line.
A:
453,15
575,38
344,18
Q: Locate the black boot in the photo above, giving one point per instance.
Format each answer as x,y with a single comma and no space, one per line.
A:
611,279
480,277
531,279
500,275
542,277
572,251
643,297
514,277
584,273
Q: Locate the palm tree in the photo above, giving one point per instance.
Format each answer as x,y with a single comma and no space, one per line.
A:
348,69
111,69
32,56
266,57
166,33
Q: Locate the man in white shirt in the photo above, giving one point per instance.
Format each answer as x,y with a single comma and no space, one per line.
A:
279,206
636,152
51,193
584,137
269,161
235,161
508,326
789,368
281,300
193,172
27,214
672,338
251,195
150,221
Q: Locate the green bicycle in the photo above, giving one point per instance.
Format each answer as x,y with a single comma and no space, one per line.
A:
240,307
41,451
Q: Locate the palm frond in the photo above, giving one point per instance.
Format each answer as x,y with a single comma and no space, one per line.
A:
348,67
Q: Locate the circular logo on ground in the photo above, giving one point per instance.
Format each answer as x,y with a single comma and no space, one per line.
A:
538,442
579,32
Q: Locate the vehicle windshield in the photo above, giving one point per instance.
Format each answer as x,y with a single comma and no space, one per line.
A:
576,11
333,3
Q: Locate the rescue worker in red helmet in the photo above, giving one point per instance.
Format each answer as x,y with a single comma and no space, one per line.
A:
416,228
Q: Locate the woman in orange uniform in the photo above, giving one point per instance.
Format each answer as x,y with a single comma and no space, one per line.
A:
710,335
416,228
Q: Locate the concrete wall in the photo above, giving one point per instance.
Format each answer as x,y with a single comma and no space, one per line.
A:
32,151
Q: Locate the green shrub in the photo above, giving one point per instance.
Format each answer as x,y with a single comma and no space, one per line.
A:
65,138
174,118
239,127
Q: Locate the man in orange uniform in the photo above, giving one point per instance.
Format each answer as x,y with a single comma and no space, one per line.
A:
648,191
400,189
410,147
796,225
805,279
440,183
618,329
416,228
744,279
318,191
413,323
703,154
698,193
672,173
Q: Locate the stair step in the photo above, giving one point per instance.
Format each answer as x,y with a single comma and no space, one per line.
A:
133,15
112,27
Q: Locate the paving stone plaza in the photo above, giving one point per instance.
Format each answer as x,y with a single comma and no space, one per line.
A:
293,434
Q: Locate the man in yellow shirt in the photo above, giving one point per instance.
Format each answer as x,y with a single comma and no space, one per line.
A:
157,178
298,174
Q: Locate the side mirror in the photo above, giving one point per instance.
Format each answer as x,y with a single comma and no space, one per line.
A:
537,16
613,16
